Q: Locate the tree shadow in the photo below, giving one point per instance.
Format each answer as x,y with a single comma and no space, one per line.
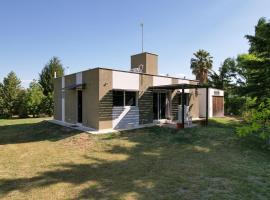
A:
33,132
157,165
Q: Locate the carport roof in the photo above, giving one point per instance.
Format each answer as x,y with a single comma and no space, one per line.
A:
180,86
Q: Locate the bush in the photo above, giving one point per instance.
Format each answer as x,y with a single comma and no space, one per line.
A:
256,120
234,104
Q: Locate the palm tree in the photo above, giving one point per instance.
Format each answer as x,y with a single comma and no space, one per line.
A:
201,64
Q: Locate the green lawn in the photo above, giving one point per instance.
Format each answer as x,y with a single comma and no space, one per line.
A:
39,160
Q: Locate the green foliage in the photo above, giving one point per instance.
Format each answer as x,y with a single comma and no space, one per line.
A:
22,104
201,64
46,77
225,76
47,105
234,104
257,120
10,90
34,99
1,100
255,66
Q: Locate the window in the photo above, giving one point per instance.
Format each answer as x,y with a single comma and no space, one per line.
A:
124,98
186,99
118,98
130,98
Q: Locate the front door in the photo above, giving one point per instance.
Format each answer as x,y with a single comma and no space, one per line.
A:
218,106
159,105
79,106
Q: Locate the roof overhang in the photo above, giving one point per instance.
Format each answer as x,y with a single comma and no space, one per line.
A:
179,86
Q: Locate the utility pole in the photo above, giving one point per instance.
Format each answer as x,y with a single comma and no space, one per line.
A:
142,36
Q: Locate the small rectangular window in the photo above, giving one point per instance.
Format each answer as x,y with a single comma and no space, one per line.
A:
130,98
118,98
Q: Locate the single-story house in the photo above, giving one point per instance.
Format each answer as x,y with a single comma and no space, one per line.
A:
102,98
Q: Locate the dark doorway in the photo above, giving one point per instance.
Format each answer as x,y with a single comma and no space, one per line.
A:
159,105
79,106
155,105
162,112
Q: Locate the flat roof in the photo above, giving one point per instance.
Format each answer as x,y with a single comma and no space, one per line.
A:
145,53
179,86
104,68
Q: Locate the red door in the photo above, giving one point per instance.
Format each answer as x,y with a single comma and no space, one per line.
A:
218,106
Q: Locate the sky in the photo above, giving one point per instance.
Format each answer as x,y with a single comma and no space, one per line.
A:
104,33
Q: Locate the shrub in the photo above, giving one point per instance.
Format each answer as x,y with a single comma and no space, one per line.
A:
234,104
256,120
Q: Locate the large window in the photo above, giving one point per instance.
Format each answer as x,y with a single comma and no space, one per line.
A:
130,98
124,98
118,98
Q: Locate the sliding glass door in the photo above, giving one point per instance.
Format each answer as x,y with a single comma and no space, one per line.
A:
159,105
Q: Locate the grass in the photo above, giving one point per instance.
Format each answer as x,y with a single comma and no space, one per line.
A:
39,160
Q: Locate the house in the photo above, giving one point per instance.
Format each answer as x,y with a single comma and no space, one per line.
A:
103,98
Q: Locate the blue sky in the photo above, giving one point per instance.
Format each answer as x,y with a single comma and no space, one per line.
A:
86,34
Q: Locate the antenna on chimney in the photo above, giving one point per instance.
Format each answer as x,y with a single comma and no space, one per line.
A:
142,36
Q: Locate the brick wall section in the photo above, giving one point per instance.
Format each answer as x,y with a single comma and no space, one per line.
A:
175,102
145,100
105,99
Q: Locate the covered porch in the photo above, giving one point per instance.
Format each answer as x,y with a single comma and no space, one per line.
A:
183,119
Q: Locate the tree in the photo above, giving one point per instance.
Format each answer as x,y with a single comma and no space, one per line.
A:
46,76
10,91
225,76
225,79
47,105
34,98
201,64
255,66
22,104
1,100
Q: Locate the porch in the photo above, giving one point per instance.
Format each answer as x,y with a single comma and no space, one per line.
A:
163,115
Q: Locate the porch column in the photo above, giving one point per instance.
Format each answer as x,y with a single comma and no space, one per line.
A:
183,106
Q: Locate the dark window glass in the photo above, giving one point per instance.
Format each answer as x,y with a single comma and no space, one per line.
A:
130,98
118,98
186,98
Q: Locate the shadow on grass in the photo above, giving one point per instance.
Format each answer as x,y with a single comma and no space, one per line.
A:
161,164
33,132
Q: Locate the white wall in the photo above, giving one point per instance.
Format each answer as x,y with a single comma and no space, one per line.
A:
125,81
157,80
180,81
202,100
79,78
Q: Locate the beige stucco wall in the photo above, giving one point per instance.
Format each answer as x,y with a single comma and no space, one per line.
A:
148,60
194,103
152,64
105,99
57,99
70,100
90,98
